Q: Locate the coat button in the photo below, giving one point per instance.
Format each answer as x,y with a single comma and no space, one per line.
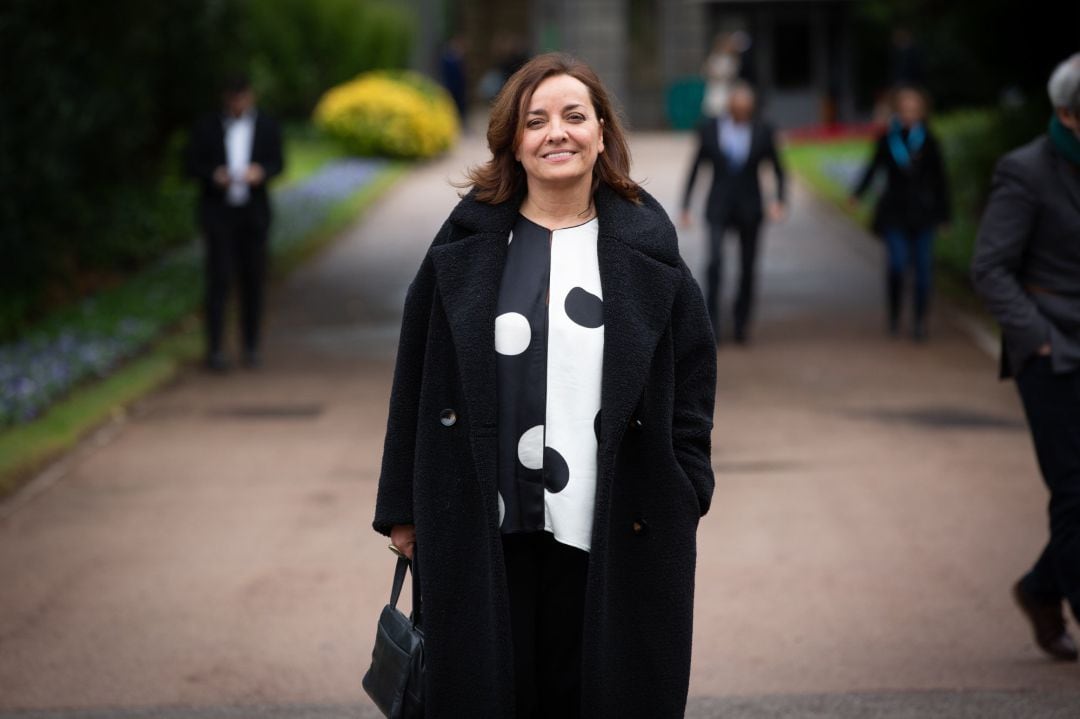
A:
640,527
636,423
448,417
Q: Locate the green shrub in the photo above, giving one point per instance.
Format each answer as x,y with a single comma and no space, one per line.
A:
972,142
89,114
395,114
299,48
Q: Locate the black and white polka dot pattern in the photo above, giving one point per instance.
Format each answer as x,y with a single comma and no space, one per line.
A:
549,342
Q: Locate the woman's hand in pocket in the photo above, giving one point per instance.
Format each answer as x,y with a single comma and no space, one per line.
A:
403,538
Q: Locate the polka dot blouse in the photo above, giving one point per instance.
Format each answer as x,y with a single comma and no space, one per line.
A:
549,343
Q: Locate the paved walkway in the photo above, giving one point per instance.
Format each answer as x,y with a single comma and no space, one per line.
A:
211,555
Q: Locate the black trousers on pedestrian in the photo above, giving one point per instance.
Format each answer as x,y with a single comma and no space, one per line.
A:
1052,404
714,276
236,248
546,580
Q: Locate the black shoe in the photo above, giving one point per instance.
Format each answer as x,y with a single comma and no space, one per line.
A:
252,359
217,362
1048,622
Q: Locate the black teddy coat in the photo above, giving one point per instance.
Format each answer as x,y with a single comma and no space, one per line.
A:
654,478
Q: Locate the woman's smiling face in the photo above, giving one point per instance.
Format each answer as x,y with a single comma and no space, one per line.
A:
562,136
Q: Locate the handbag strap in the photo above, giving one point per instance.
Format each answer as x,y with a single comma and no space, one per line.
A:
399,581
417,605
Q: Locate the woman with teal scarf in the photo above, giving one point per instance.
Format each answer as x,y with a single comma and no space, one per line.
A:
914,203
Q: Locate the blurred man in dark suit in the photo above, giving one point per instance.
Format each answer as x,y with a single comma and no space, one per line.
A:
233,154
1027,269
735,144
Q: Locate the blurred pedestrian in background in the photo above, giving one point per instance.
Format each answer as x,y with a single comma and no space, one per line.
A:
1027,269
452,65
233,153
913,205
721,69
548,446
735,145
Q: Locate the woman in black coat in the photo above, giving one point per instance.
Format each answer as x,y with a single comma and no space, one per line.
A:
914,203
548,445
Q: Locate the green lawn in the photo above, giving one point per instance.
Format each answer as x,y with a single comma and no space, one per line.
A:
306,150
808,160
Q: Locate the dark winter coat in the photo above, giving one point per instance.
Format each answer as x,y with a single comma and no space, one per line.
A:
1027,258
915,197
654,477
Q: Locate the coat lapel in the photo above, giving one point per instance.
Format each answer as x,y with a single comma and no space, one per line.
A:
467,272
720,158
638,295
639,276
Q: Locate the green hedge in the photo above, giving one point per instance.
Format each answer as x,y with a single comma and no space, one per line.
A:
95,109
92,101
300,48
972,142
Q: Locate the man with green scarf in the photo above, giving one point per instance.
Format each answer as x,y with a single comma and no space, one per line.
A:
1027,269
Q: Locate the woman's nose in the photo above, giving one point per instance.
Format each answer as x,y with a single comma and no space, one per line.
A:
556,131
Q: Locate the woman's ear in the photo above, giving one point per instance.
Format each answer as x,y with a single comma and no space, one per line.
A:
600,146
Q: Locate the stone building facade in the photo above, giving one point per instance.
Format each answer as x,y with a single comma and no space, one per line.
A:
799,58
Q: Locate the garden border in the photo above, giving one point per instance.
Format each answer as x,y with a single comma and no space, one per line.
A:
28,449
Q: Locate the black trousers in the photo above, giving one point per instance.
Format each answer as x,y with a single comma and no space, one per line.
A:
1052,404
547,604
236,247
714,276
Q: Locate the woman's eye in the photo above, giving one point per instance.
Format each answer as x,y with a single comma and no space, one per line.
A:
532,124
576,117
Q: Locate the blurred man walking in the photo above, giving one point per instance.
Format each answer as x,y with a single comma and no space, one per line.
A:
735,144
233,154
1027,269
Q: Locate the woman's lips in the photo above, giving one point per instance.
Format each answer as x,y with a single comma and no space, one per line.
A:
560,156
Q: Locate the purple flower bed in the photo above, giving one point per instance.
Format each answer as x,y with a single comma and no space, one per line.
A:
845,172
300,208
92,340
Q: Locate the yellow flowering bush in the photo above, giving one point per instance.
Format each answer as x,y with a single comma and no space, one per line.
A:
391,113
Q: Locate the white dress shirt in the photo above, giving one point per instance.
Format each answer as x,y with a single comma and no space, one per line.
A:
239,136
735,141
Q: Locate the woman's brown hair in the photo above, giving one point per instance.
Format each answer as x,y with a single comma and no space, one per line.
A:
502,177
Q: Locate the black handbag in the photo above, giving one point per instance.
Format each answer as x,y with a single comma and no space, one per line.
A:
395,681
